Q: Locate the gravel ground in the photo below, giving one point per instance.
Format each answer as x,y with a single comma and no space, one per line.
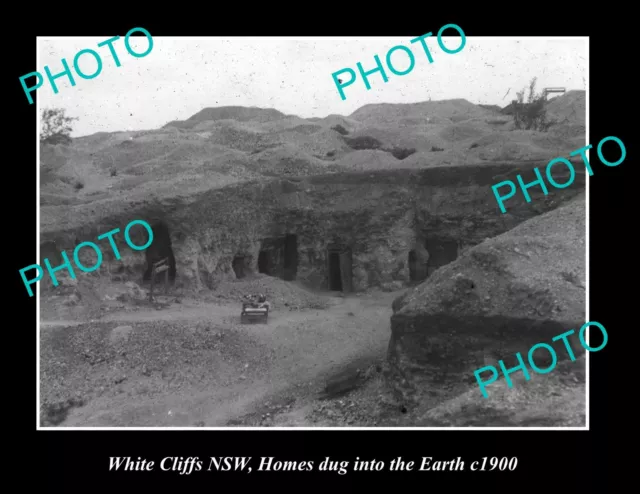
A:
141,360
281,294
194,364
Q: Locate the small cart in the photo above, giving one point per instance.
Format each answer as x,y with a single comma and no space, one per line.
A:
253,312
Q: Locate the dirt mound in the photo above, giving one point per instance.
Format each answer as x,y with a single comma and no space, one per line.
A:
254,138
427,159
144,360
554,400
60,196
464,131
494,108
334,120
573,136
319,144
163,134
420,137
126,161
283,295
369,159
288,160
570,108
93,140
125,154
238,113
560,145
517,145
236,135
52,159
72,299
498,298
291,122
545,253
303,129
108,174
568,131
454,110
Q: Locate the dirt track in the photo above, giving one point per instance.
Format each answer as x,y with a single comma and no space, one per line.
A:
303,349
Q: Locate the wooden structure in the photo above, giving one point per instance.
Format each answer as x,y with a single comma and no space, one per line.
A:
158,267
548,90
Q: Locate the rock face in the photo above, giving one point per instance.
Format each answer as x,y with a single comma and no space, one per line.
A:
345,203
500,297
341,231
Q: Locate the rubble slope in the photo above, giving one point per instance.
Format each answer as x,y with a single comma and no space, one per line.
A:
500,297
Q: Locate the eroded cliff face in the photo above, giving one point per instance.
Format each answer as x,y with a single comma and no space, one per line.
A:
500,297
338,231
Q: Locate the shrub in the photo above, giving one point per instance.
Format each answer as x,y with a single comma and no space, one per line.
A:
436,149
56,126
531,115
57,139
78,185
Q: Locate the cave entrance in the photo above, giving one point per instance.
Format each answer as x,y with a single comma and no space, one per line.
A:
335,277
263,262
290,257
441,252
339,270
413,261
238,265
279,257
160,249
418,268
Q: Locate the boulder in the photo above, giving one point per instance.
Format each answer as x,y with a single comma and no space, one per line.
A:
120,334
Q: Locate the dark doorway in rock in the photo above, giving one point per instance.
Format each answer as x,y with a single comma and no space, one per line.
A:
272,255
160,249
441,252
238,265
418,269
279,257
413,274
263,262
290,257
339,269
335,277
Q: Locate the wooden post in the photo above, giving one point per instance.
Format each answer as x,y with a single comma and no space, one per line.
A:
153,275
166,281
159,267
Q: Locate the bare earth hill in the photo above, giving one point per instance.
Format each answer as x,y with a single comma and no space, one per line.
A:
332,218
220,146
501,297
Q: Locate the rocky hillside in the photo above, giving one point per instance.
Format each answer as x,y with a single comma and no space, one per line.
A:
220,146
244,190
500,297
286,227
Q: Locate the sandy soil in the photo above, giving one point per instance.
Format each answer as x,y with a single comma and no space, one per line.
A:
277,369
190,363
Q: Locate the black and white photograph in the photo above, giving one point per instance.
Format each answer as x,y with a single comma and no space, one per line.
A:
291,235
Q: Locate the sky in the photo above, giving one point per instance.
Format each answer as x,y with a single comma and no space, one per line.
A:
181,76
